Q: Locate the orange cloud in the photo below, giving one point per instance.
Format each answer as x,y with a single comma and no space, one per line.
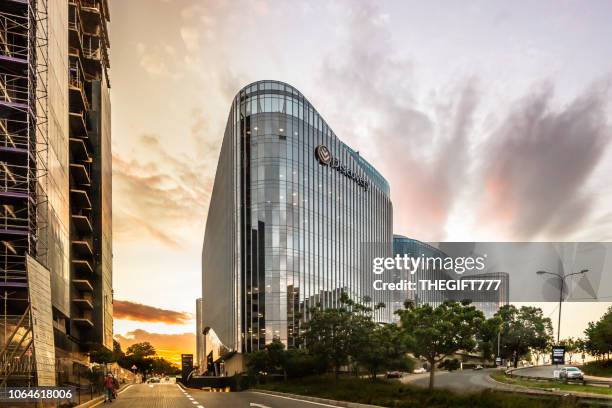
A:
126,310
168,346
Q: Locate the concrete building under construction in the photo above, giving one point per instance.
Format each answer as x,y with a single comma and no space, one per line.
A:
55,188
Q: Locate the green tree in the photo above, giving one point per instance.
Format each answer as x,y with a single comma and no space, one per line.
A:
487,337
435,333
144,349
103,355
581,347
571,347
257,363
276,357
160,365
273,358
300,363
367,348
523,330
599,336
394,348
117,347
328,333
139,355
542,351
379,347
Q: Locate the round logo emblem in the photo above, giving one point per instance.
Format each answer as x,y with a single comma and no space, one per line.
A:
323,154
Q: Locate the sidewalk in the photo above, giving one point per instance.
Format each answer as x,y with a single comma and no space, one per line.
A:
98,400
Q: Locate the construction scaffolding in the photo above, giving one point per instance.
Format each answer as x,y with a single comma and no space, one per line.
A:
22,167
88,60
67,209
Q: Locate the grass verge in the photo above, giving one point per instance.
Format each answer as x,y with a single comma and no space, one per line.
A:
598,368
389,393
501,377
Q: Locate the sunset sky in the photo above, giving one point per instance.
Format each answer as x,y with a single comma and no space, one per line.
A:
490,120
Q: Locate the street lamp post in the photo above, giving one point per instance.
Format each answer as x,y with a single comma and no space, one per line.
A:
562,279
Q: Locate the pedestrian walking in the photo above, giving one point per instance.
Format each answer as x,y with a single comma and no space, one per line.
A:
109,388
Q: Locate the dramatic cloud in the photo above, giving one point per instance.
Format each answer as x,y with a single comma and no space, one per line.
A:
169,346
421,152
126,310
540,161
162,194
446,102
523,176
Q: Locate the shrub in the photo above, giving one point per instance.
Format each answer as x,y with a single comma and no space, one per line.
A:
450,365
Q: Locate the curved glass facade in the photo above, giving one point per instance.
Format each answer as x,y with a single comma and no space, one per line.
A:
407,246
488,302
288,221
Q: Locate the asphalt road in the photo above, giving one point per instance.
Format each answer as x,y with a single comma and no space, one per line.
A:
470,380
548,372
173,396
461,381
538,371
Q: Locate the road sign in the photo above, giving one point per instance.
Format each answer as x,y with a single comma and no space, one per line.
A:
498,361
134,367
558,355
186,365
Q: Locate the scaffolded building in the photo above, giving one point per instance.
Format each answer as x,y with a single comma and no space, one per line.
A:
55,188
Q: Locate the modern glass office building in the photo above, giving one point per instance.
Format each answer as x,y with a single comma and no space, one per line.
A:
488,302
291,209
407,246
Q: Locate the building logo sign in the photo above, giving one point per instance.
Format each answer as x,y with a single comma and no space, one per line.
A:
326,159
323,154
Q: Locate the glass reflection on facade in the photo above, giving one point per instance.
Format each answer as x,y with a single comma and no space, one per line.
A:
286,224
413,248
488,302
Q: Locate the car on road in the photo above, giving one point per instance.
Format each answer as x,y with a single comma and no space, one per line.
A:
394,374
420,370
571,373
478,367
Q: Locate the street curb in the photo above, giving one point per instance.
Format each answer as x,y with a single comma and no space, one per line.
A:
523,389
345,404
96,401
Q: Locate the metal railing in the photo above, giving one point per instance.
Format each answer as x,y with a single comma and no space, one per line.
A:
12,90
13,31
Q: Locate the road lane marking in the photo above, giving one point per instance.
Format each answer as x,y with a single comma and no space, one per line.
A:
252,404
194,402
295,399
